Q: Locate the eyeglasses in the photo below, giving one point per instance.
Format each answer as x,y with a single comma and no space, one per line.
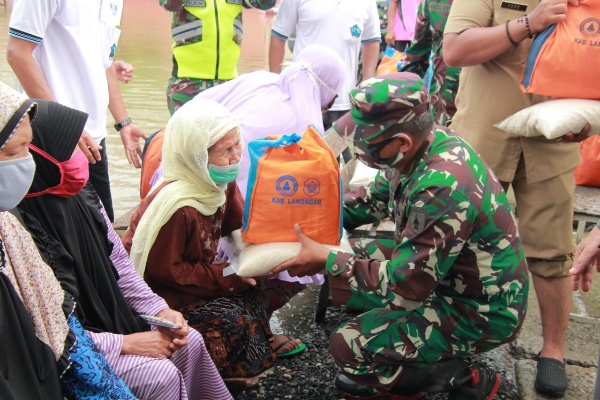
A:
226,153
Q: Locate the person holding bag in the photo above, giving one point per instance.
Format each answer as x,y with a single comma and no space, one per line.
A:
173,236
491,41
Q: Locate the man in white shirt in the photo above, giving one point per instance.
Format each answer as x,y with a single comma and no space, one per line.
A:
62,51
343,25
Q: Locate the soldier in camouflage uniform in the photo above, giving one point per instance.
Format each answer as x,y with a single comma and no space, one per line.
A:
207,37
431,20
452,283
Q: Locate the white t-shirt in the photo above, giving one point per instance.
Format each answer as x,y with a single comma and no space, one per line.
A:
71,42
340,24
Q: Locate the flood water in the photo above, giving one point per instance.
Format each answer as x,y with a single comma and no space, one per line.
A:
145,43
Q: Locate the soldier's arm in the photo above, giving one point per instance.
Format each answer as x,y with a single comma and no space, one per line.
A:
260,4
172,5
366,205
417,54
439,223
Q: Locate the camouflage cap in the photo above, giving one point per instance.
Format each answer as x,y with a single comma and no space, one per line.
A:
381,102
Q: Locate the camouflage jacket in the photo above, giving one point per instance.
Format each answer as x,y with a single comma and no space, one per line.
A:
455,238
429,31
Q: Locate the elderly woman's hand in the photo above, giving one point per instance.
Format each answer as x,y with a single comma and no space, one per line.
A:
178,336
150,344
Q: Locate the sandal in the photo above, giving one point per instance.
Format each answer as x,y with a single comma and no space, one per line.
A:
298,350
551,379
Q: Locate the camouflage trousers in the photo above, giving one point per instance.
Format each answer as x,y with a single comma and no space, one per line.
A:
182,90
376,347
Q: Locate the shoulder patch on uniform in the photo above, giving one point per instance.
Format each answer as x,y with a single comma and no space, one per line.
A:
417,218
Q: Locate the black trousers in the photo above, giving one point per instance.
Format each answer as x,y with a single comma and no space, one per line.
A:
100,180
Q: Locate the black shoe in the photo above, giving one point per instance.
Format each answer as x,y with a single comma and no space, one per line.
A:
483,386
349,389
551,378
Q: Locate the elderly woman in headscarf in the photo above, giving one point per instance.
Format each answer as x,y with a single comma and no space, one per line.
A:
39,348
265,104
174,235
161,363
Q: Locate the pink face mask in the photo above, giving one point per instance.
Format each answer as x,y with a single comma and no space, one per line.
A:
74,173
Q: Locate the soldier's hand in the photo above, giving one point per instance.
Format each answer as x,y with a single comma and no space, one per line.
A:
309,261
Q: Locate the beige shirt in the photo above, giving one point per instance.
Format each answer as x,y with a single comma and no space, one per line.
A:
490,92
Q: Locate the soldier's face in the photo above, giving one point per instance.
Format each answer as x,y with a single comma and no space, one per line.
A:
381,152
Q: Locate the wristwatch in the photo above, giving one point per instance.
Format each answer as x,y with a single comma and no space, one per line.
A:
123,123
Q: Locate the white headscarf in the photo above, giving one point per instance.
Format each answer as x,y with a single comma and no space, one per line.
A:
190,132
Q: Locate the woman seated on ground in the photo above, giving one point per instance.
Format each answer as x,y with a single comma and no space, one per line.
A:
173,238
158,364
266,103
43,346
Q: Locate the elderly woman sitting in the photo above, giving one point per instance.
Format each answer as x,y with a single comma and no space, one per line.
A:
45,352
93,266
174,234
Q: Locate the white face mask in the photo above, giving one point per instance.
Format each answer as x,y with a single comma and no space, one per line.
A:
15,180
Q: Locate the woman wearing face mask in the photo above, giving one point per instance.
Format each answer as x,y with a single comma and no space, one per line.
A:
160,364
27,363
42,344
174,233
292,100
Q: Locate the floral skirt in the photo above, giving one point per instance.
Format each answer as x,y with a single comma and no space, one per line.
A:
236,332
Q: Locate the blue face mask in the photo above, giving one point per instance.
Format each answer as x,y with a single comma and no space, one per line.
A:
15,180
223,174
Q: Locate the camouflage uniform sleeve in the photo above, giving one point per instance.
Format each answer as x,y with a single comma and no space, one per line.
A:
417,54
172,5
438,226
366,205
260,4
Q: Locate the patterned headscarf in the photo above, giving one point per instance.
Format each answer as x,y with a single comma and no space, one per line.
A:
190,132
34,282
13,107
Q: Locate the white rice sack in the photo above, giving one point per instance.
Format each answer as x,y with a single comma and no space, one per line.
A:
554,118
259,259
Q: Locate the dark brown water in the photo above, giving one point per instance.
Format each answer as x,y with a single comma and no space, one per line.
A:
146,44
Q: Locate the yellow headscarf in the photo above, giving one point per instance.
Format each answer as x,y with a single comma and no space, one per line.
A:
190,132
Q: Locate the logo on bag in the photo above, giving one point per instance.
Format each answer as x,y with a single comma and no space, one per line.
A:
312,187
590,27
287,185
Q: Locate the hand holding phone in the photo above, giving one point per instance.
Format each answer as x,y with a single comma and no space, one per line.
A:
157,321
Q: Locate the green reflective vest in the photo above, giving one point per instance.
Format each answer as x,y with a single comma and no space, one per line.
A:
209,45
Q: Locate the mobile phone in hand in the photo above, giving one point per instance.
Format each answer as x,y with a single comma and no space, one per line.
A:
157,321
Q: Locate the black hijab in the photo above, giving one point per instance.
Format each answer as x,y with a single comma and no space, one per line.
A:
77,224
